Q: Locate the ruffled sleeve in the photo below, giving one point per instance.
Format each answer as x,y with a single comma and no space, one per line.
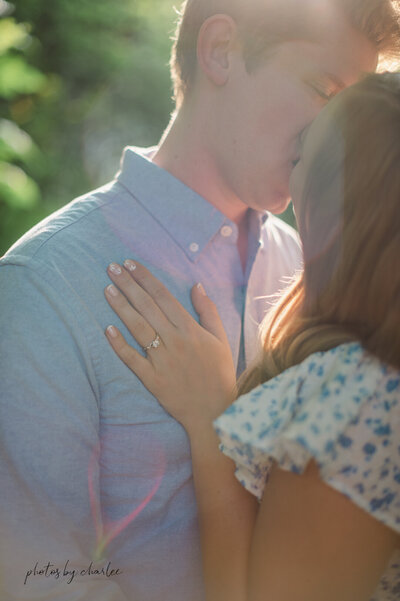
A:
340,407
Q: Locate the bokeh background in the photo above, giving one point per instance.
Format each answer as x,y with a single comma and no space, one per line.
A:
79,80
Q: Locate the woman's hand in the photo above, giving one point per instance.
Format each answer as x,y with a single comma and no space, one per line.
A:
191,371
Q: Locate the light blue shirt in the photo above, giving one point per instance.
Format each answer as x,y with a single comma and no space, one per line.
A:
86,450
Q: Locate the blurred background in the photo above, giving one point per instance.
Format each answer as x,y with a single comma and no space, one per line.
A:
79,80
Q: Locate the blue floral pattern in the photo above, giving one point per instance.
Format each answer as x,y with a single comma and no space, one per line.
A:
340,407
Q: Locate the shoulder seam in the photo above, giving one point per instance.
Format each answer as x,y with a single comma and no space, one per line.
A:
77,220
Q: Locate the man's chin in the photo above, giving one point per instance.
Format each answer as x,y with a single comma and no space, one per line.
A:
277,204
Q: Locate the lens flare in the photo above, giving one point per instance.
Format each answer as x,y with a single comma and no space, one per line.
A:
106,529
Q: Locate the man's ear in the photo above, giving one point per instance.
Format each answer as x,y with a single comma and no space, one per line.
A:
216,40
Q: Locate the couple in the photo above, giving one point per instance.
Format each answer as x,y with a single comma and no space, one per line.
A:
117,462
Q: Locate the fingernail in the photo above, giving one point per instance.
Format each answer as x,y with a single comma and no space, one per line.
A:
130,265
112,331
115,269
112,290
201,289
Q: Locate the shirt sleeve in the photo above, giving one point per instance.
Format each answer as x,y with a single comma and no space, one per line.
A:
341,408
49,418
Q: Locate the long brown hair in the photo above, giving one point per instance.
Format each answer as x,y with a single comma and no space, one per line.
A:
350,287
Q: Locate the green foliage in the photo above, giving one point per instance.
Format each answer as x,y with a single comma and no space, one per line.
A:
18,153
17,189
17,77
16,144
79,80
12,35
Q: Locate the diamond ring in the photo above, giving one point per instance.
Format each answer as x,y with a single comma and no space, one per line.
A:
153,344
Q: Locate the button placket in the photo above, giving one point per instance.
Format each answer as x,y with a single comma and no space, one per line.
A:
226,231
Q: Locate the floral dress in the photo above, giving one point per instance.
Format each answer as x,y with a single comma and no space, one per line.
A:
340,407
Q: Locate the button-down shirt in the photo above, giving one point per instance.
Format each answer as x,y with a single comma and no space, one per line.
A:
92,467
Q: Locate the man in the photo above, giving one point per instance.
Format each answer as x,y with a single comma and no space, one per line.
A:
97,496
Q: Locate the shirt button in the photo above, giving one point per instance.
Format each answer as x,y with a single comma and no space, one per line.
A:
194,247
226,231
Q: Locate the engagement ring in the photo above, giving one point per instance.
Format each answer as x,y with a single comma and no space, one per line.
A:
154,344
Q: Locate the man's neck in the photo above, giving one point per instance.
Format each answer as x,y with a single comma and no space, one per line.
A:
184,152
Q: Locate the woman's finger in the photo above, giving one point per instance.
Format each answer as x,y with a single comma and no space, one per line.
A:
208,314
159,293
140,300
140,329
132,359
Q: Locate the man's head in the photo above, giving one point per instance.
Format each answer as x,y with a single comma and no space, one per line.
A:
261,71
265,23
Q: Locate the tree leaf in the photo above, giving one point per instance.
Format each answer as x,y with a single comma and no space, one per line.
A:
15,144
17,189
17,77
12,35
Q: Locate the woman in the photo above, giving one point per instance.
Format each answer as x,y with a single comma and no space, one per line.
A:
315,434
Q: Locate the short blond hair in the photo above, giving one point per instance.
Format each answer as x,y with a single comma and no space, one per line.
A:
265,23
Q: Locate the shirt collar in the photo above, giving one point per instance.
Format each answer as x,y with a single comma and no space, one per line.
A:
188,218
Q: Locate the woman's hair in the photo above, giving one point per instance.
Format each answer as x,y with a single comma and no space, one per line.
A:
265,23
349,223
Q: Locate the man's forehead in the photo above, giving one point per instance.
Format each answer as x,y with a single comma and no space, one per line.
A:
347,52
332,44
351,55
342,63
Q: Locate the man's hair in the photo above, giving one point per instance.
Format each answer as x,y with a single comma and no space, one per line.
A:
263,24
350,287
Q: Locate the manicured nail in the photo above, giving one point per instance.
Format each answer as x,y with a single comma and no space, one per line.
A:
112,331
112,290
200,287
130,265
115,269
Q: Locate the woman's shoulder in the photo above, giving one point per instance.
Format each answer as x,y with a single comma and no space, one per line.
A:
338,380
340,407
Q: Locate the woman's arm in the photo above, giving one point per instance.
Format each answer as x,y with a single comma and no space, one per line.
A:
311,543
227,514
307,542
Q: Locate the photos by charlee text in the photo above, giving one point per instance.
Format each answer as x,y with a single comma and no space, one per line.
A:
50,570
